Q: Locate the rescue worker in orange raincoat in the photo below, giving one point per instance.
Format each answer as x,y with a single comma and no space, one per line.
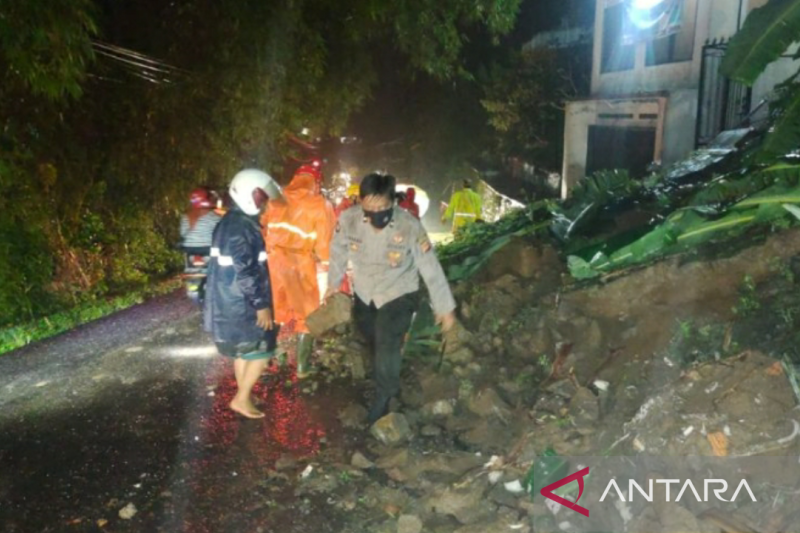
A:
298,233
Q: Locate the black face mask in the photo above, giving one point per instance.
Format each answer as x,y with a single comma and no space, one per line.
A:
379,219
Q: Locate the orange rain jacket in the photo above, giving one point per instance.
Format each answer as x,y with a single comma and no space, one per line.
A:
297,234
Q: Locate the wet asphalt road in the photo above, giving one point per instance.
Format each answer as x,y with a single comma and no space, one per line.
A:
131,411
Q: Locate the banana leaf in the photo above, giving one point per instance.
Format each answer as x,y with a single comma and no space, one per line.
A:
766,35
784,135
686,228
779,193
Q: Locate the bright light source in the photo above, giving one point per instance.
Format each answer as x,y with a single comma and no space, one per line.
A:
202,352
645,4
644,13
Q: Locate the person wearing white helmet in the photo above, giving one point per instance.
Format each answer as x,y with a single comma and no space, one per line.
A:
238,311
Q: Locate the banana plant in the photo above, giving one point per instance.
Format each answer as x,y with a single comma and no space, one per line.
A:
766,36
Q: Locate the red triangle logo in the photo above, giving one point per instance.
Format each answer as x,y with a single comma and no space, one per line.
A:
547,491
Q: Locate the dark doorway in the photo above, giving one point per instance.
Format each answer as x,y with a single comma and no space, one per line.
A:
613,147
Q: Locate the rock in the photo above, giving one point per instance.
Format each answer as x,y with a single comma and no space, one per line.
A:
466,505
411,395
489,435
360,461
430,431
525,260
584,408
353,416
564,388
285,462
391,429
672,517
438,409
454,463
488,403
462,355
409,524
533,339
438,387
128,512
501,496
457,337
336,311
498,526
394,459
464,422
355,363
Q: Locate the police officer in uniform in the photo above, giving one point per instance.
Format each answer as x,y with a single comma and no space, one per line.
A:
389,250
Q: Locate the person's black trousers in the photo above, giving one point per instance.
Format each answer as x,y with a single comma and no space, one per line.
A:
385,330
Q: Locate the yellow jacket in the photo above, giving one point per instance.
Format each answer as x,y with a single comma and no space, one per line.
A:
464,208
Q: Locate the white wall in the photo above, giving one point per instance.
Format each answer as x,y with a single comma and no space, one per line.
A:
674,86
716,19
679,125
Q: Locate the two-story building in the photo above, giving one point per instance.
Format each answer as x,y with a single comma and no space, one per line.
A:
656,91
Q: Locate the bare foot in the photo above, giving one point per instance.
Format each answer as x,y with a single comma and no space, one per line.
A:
245,409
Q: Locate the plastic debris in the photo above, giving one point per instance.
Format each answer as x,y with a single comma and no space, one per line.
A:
495,462
601,385
515,487
548,468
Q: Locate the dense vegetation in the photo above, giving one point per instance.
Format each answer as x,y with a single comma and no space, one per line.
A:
112,110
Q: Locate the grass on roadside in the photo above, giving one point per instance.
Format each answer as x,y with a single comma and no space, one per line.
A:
19,335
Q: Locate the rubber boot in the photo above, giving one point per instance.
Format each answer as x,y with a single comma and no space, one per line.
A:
305,345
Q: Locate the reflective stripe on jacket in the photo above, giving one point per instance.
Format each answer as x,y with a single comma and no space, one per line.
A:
238,280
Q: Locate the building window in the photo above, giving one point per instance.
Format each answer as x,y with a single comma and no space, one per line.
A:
677,46
616,56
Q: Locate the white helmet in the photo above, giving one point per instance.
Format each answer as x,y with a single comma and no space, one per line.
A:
249,189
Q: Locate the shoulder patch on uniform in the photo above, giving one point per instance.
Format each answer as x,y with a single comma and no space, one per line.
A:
425,243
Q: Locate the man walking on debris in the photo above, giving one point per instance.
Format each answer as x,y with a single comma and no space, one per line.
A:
389,250
464,208
238,310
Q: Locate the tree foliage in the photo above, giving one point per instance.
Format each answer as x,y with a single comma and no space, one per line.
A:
524,98
46,45
90,187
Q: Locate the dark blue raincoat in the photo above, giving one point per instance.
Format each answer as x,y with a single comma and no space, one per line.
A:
238,281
